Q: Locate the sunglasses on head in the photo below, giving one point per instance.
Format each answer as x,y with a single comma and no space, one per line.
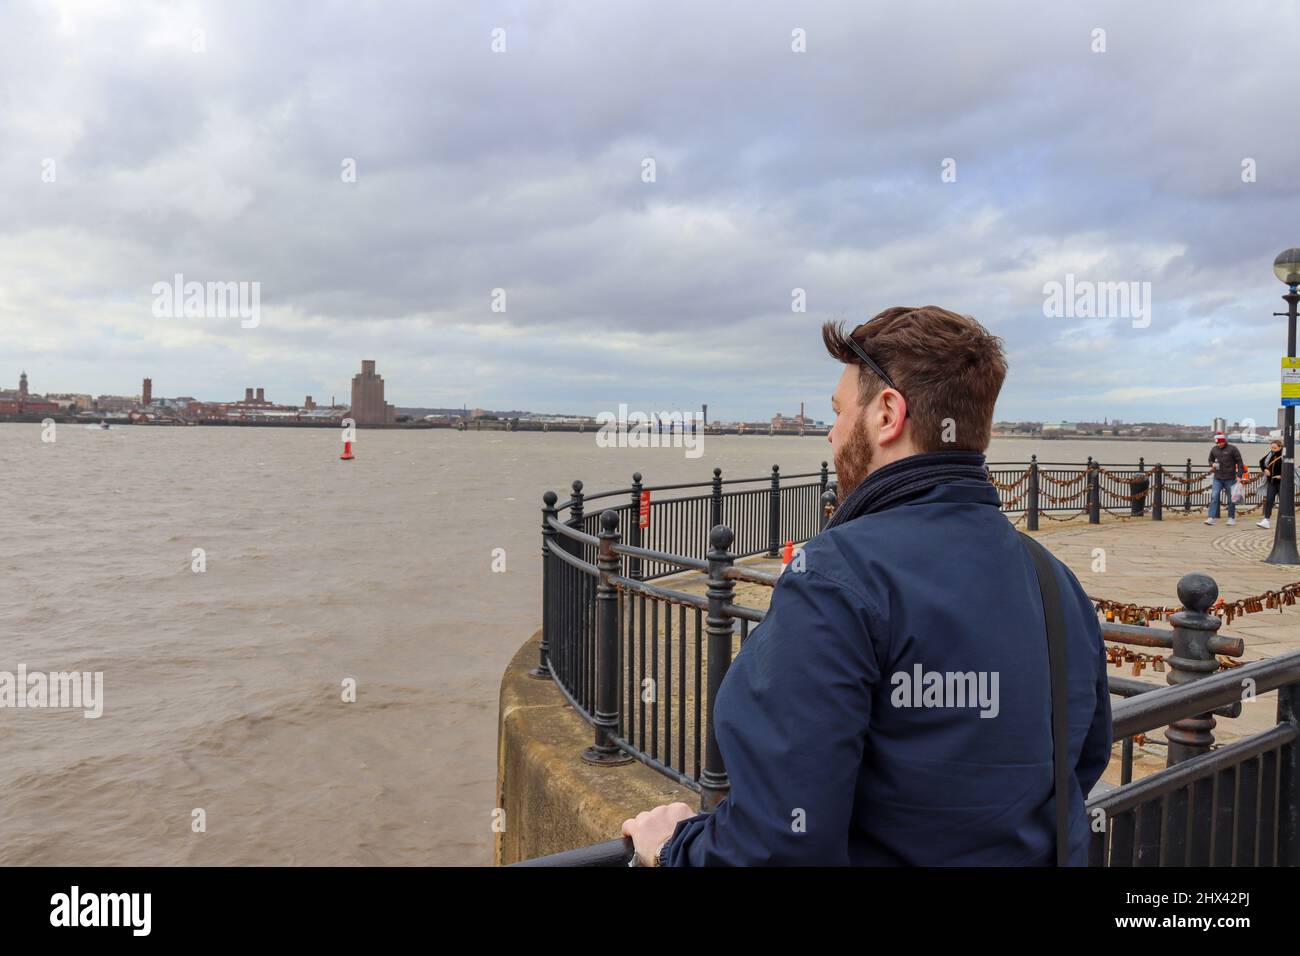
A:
870,363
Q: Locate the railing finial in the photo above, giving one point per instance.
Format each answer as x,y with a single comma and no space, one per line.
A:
829,501
1198,591
721,537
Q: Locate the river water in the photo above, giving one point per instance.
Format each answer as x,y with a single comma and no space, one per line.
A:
223,688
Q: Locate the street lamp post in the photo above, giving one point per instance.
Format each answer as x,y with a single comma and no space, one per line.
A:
1287,268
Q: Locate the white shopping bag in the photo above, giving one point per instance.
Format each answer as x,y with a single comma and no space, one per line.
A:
1238,491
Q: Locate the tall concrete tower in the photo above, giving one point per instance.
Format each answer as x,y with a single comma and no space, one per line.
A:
368,405
22,387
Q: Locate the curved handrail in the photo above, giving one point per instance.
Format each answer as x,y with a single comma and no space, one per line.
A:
572,533
750,575
610,853
662,594
647,554
576,562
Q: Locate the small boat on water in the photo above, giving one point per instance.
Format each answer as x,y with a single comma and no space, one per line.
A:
103,424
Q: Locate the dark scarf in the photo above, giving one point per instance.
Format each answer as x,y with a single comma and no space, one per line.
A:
908,478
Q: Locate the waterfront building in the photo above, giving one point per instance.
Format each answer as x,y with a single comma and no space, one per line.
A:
71,401
368,405
116,403
22,402
798,421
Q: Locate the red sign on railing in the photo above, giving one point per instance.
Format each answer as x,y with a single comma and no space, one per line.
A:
645,509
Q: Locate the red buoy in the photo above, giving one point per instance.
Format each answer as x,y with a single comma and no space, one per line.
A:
347,452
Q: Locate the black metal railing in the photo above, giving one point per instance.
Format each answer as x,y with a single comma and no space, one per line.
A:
1231,806
1059,491
642,663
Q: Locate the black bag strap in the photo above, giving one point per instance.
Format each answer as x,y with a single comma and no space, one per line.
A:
1057,663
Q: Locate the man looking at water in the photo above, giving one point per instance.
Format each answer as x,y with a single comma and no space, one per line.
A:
835,753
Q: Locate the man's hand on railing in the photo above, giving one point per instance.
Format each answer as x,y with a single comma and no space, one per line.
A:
651,829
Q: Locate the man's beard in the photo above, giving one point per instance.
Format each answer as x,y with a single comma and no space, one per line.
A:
852,462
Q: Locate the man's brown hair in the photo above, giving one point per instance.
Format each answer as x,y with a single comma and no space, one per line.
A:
946,365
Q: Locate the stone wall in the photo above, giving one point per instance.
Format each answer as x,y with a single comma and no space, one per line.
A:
553,799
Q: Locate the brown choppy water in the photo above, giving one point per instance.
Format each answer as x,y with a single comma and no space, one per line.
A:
222,690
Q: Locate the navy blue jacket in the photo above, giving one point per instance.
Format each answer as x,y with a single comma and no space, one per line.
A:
834,757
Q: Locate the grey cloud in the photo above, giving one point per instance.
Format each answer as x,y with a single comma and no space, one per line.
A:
521,171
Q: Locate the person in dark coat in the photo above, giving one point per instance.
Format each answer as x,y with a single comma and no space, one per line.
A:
894,707
1271,468
1227,468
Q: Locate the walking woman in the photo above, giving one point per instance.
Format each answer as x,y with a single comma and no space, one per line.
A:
1271,465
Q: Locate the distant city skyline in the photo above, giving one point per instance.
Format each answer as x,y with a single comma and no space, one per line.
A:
373,388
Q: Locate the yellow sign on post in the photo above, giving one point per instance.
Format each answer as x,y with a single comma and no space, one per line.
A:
1290,381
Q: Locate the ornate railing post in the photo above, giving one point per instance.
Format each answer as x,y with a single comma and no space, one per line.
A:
1087,485
606,717
714,783
576,548
634,528
825,478
774,515
715,504
575,507
828,501
1031,514
1094,491
1139,489
1187,488
1158,499
1192,660
543,669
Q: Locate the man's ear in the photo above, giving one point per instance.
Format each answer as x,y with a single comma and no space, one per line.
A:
891,417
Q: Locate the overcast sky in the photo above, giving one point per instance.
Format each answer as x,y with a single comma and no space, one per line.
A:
140,140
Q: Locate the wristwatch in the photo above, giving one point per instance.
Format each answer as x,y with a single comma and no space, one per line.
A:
656,860
659,857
